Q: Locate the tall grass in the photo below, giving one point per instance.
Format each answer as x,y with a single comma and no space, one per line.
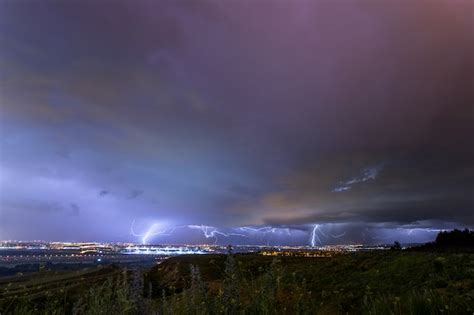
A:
415,302
268,290
116,295
272,292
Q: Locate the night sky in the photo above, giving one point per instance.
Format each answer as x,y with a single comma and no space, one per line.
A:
245,122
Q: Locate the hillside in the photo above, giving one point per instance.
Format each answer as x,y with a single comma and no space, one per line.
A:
376,282
354,283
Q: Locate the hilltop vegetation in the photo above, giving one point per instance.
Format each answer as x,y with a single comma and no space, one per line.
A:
387,282
454,240
372,283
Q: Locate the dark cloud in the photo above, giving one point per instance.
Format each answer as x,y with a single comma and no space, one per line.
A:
235,114
135,193
407,190
103,193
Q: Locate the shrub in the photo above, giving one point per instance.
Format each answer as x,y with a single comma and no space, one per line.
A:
439,264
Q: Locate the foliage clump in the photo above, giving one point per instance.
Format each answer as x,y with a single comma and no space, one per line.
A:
455,238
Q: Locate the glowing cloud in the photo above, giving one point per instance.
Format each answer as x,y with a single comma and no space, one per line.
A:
367,174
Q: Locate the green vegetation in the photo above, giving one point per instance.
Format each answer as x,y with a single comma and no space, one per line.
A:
397,282
386,282
49,291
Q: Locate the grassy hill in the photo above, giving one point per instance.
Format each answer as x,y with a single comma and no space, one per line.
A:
379,282
385,282
50,289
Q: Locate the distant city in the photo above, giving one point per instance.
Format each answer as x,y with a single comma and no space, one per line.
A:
13,253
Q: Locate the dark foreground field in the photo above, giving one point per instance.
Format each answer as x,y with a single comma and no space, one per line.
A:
388,282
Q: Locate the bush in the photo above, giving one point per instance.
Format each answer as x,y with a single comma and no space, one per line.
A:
439,264
396,246
455,238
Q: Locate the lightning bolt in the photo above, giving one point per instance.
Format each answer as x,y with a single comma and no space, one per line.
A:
131,230
314,236
338,235
153,230
264,229
212,232
315,239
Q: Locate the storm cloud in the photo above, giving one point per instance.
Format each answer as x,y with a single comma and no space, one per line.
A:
230,114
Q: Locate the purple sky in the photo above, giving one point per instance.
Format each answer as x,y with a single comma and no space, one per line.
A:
356,116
